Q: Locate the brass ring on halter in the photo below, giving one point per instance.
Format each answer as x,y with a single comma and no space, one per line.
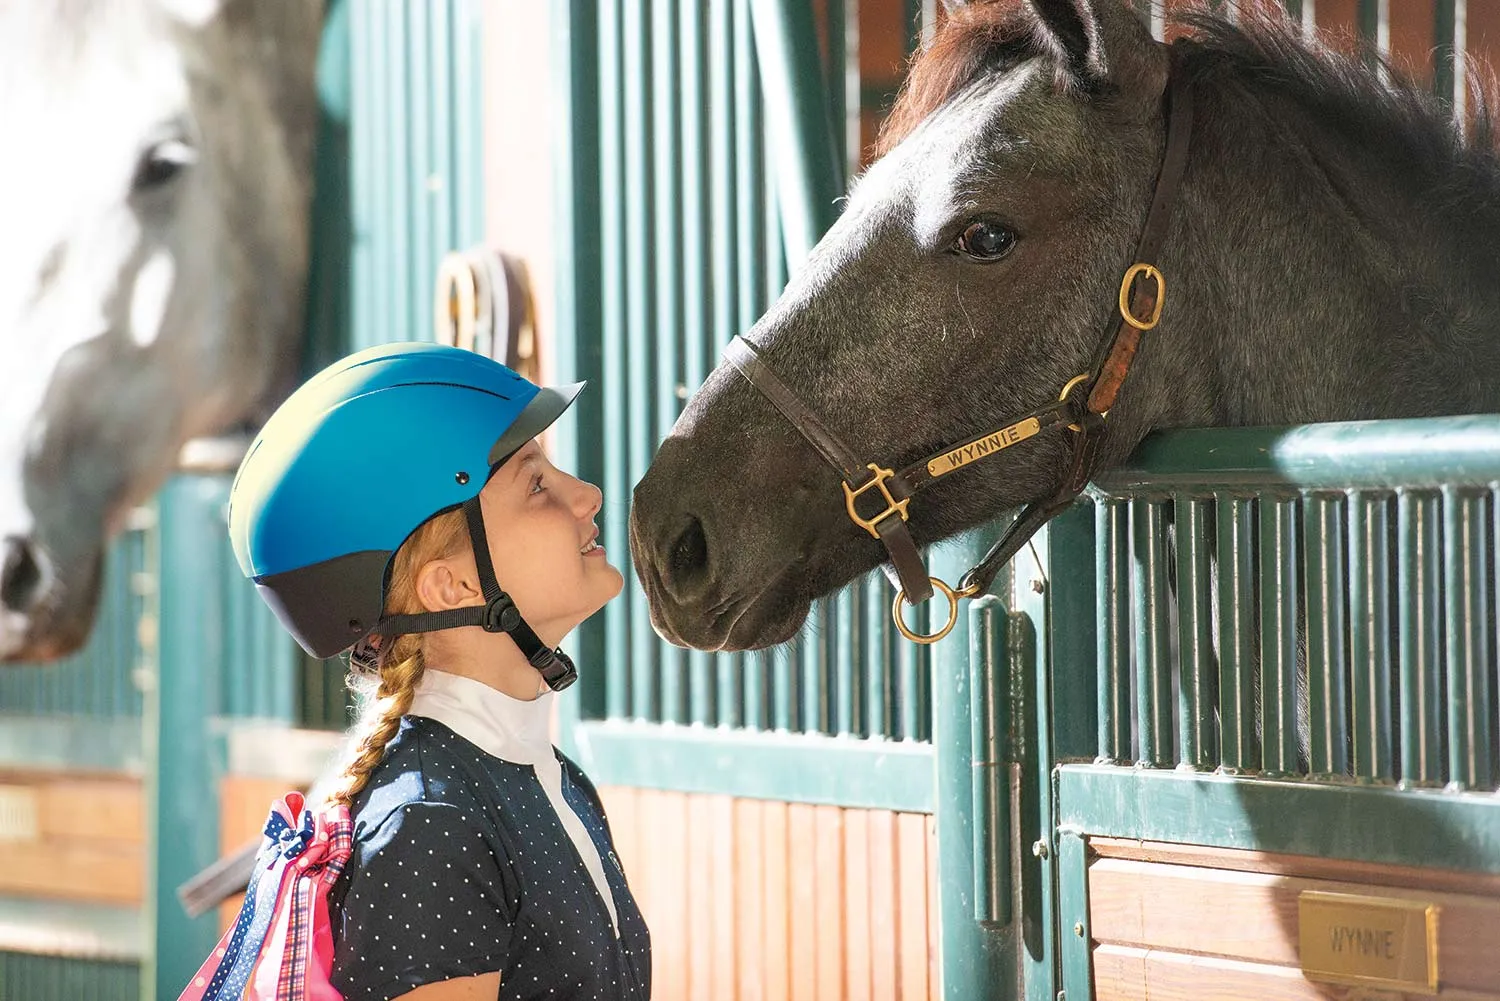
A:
1068,388
1135,271
947,592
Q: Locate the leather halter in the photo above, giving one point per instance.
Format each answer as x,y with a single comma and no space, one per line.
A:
1081,407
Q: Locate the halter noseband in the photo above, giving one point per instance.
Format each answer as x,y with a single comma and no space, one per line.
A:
1080,407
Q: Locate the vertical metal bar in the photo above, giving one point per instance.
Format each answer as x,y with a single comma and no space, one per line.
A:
749,286
1370,637
1327,658
421,253
1195,642
812,668
879,664
1419,612
1234,517
1279,615
990,721
808,179
666,375
706,692
468,172
615,259
1112,590
640,238
854,651
1149,623
442,100
908,678
403,314
1466,589
1373,21
741,679
837,79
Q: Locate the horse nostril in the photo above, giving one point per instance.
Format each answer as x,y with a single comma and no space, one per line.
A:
688,559
20,575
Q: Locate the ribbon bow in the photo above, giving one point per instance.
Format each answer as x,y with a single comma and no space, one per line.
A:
281,946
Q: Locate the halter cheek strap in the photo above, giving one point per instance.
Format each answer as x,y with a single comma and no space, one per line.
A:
498,614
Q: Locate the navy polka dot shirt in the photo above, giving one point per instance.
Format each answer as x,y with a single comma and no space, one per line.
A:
461,865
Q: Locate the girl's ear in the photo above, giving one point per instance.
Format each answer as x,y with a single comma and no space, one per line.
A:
447,583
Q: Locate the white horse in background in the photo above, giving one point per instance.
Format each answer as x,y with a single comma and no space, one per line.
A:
154,204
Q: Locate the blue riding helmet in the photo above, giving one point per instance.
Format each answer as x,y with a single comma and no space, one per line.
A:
355,461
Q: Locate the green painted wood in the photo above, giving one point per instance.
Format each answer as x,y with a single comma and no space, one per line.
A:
971,719
185,752
1033,673
878,775
26,977
1358,823
86,743
1074,928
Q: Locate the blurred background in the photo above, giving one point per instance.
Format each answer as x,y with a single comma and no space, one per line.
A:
244,190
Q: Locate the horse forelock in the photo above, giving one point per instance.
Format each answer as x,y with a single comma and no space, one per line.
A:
976,39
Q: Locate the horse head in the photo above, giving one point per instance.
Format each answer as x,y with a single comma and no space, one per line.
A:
152,267
1319,264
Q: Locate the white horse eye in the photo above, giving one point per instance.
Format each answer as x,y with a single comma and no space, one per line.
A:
162,162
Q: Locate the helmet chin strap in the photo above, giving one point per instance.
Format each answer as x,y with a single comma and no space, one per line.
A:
498,614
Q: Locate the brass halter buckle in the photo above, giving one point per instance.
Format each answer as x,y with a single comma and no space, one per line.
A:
892,505
1135,271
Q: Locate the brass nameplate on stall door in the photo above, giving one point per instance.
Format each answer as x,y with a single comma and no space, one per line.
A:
1349,938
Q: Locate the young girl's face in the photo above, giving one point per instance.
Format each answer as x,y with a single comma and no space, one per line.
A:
543,542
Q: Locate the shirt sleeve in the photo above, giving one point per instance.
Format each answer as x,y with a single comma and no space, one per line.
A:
425,902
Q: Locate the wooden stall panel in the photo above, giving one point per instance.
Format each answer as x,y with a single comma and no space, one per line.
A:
752,900
72,837
1163,928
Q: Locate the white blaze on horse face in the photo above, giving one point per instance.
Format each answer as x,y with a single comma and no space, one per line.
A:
81,95
148,299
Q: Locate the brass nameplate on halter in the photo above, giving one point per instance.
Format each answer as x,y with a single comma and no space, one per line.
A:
1348,938
988,445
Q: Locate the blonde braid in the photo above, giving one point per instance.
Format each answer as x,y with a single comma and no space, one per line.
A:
401,658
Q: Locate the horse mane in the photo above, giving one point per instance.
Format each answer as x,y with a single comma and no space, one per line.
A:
1263,51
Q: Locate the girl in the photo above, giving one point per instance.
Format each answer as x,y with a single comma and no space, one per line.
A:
383,507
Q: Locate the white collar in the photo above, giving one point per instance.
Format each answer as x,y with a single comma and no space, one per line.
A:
508,728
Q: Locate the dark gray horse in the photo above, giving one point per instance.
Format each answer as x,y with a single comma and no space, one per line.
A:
154,199
1332,256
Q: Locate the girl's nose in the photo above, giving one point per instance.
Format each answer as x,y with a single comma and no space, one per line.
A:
587,499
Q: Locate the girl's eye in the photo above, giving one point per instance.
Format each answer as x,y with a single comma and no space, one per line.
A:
536,484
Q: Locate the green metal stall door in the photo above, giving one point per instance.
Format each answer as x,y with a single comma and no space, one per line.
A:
1272,639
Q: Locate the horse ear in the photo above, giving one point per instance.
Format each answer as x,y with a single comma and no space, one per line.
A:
1072,27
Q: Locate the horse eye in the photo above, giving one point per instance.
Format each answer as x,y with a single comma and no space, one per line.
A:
985,241
163,162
